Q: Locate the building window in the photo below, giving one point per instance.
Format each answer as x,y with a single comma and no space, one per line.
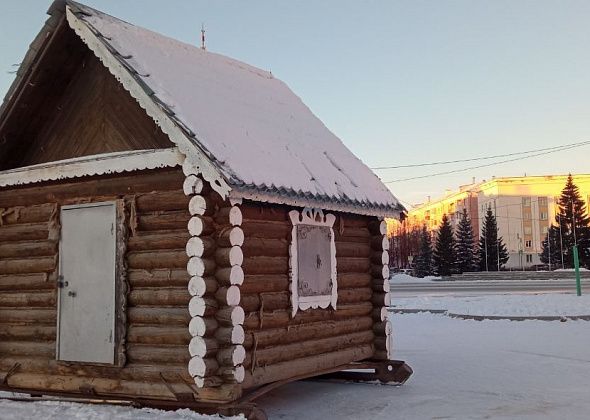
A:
526,215
543,215
529,258
528,230
526,201
528,243
312,260
542,201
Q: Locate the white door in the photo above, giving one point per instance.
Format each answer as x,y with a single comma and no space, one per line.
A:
86,321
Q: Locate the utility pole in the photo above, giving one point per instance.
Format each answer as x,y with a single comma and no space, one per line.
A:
203,37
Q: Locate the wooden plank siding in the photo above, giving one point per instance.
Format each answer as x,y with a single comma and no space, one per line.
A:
279,346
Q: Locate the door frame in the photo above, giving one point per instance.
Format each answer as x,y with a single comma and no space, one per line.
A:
121,286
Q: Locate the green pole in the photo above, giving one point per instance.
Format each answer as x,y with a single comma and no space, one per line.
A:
577,268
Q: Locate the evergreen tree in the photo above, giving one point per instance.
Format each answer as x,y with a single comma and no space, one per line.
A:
551,251
492,251
423,265
444,257
465,248
573,224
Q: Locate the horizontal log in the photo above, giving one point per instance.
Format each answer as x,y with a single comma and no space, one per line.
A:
266,301
158,335
28,265
201,286
110,185
381,355
284,352
353,221
161,201
208,382
27,348
200,246
307,365
25,316
202,327
200,226
230,275
232,373
380,271
353,265
201,206
165,221
229,215
149,260
228,257
203,346
353,249
230,335
266,229
228,296
266,265
202,306
230,315
230,236
382,343
202,367
231,356
359,294
31,214
14,282
28,249
28,333
152,354
151,241
159,297
381,299
256,212
378,227
382,329
380,243
158,278
24,232
380,313
380,285
203,267
29,298
304,332
352,234
380,257
350,280
264,247
158,316
264,283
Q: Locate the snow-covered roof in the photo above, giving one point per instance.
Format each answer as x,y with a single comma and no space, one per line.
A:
259,136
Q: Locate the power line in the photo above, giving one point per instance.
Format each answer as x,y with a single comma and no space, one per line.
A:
563,148
448,162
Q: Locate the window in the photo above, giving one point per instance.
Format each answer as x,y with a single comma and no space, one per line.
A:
528,230
543,215
313,260
542,201
526,215
526,201
529,258
528,243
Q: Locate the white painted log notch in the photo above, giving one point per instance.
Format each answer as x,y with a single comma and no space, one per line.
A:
228,257
202,367
231,316
381,299
197,205
200,286
232,374
231,356
380,314
200,225
233,215
380,285
231,335
202,327
202,306
202,346
200,246
198,266
192,185
231,236
230,275
228,296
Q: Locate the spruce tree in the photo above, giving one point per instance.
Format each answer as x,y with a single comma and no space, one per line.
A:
423,265
444,257
551,251
465,248
573,224
492,251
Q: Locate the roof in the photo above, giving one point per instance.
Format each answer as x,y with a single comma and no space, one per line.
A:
244,129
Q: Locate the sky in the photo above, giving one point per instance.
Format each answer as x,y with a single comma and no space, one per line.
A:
400,82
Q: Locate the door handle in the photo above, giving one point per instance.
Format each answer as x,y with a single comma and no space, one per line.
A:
72,293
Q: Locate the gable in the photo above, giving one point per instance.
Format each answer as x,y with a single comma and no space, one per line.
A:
85,112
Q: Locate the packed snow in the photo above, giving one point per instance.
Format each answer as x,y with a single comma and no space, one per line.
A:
406,278
528,305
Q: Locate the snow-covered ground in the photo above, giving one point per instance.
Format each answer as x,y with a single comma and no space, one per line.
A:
501,305
406,278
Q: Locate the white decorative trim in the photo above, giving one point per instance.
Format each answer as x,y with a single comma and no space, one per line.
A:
311,217
106,163
196,158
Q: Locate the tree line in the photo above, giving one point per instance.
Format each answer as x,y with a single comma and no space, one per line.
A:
456,251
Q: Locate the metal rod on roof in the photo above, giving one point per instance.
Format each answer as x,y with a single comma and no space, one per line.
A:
203,37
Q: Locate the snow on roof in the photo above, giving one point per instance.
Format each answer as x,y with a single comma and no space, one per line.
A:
256,131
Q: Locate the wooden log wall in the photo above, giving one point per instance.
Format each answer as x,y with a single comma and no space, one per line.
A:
158,337
280,346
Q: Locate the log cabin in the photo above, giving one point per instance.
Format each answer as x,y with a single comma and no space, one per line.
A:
177,225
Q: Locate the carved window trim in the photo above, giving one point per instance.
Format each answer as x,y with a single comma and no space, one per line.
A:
311,217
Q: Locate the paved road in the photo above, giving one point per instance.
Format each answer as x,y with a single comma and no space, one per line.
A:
470,288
